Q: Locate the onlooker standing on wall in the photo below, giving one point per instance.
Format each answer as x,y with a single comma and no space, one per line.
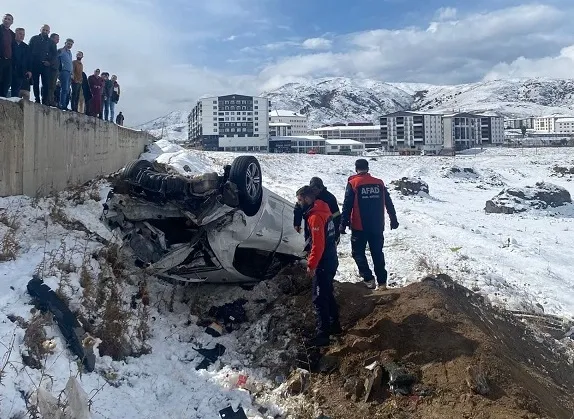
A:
54,65
115,97
21,71
85,96
66,68
77,79
120,119
108,91
6,40
39,47
96,83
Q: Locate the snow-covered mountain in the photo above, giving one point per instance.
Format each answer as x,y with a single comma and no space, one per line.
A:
341,99
172,126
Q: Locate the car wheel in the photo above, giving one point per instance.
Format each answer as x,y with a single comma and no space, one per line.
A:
246,174
133,168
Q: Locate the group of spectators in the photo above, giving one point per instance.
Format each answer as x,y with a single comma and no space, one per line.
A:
64,81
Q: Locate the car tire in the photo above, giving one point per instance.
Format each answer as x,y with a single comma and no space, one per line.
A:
133,168
245,172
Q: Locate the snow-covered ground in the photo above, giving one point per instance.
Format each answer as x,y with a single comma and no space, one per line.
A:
521,261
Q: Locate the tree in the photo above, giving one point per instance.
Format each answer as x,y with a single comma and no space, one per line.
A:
523,130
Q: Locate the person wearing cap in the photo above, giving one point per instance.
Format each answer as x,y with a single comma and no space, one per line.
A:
321,192
366,199
322,264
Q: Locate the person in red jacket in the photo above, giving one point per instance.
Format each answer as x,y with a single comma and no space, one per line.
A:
366,199
322,264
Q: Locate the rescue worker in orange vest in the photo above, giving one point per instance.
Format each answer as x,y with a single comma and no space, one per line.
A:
322,264
366,199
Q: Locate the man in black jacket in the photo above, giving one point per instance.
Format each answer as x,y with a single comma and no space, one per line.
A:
21,72
39,46
6,40
324,195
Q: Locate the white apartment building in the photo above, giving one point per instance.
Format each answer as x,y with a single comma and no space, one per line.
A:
299,124
280,129
564,125
461,131
544,124
491,129
411,130
230,123
370,135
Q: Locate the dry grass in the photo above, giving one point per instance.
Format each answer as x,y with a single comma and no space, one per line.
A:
114,328
35,340
9,246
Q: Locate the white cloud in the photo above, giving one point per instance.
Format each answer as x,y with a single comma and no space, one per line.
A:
560,66
446,13
133,39
317,43
155,55
446,52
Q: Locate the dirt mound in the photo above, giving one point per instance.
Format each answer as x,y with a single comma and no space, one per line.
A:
467,359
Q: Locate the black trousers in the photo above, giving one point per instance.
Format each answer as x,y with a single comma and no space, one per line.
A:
39,70
324,301
5,76
76,90
375,240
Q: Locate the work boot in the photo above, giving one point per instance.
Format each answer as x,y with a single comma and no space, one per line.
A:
381,287
370,284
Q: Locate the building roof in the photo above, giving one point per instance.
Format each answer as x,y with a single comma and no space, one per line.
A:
281,112
343,142
279,124
565,119
298,138
411,113
347,128
462,115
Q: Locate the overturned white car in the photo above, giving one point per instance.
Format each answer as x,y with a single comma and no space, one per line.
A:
205,228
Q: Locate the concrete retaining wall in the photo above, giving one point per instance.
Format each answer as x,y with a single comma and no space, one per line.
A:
43,149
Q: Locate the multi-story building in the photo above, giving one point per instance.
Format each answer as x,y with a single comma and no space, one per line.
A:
370,135
230,123
461,131
411,130
544,124
517,123
491,129
280,129
299,124
564,125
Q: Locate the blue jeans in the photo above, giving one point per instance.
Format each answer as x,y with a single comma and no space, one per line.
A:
65,80
109,108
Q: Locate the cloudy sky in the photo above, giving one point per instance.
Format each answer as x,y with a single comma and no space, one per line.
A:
167,53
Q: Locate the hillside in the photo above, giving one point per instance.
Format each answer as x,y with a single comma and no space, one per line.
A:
340,99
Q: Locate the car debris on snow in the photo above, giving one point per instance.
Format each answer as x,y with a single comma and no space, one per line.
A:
205,228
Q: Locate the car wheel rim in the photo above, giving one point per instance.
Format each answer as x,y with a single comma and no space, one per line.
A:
253,180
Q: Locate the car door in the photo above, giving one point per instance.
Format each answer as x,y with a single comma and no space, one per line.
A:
267,233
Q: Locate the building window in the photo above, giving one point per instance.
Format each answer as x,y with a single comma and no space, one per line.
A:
215,124
227,102
256,107
256,101
257,118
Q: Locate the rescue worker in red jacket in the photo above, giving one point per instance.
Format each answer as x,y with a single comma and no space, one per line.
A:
322,264
366,199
